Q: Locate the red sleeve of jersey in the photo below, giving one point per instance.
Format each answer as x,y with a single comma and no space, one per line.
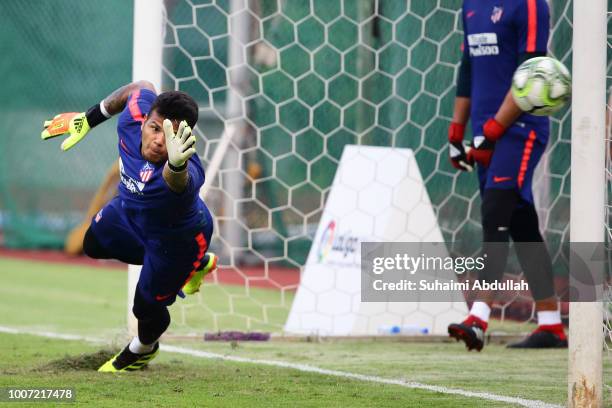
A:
532,21
133,106
138,105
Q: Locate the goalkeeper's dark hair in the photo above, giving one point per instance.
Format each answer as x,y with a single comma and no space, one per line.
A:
176,105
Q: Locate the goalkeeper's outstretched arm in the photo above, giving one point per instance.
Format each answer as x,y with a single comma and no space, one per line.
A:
76,125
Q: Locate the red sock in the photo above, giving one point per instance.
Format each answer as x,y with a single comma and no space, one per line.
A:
472,320
553,328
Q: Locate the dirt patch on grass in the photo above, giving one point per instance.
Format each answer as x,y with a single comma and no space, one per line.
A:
85,361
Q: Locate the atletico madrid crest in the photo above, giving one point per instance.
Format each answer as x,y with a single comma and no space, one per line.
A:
146,172
496,15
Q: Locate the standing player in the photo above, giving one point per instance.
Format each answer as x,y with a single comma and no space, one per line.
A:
507,146
157,220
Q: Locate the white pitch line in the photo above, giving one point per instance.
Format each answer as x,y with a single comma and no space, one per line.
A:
309,369
51,335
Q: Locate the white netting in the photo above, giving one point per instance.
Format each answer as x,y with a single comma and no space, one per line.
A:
300,79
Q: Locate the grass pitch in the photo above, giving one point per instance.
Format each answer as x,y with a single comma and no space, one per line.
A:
78,300
175,380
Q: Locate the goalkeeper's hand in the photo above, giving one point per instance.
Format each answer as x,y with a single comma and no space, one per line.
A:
459,158
72,123
180,146
456,151
481,151
483,146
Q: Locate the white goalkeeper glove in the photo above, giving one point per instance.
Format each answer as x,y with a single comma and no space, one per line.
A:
180,146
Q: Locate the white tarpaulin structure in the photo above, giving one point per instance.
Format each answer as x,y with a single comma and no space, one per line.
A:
378,194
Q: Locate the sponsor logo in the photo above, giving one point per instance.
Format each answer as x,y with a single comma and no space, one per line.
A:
146,172
134,186
483,44
78,124
99,215
470,14
326,241
501,179
338,248
496,15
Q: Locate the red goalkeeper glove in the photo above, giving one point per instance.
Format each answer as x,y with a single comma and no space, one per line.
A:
483,146
481,151
456,151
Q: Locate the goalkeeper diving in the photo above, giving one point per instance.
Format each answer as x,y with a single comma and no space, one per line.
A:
157,220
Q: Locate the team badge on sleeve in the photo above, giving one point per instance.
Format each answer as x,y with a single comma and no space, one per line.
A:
496,15
146,172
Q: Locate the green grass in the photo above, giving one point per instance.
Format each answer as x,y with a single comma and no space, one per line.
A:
177,381
91,301
47,296
87,300
528,374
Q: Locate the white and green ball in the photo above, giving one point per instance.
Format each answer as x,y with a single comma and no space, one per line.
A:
541,86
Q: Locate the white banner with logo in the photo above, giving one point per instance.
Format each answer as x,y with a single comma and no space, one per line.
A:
377,195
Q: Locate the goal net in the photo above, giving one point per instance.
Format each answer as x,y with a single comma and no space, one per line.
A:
283,86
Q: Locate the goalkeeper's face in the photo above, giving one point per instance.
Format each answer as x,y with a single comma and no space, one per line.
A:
153,146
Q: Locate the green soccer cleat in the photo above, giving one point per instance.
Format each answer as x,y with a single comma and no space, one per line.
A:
128,361
209,264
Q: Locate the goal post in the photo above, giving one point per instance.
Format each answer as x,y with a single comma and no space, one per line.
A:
148,43
587,220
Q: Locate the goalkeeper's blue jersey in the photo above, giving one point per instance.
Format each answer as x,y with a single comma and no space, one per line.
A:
497,32
149,205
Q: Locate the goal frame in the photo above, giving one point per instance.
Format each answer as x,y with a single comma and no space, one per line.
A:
587,217
588,188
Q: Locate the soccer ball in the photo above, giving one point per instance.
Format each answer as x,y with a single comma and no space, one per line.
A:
541,86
